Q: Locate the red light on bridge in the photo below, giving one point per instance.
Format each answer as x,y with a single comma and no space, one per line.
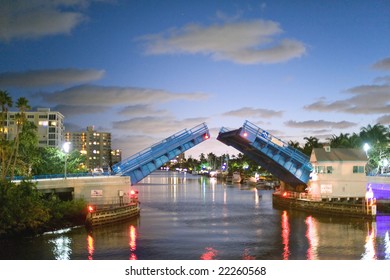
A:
90,209
206,136
132,192
245,134
285,194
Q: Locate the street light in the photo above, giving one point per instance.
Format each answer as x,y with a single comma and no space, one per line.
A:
66,148
366,147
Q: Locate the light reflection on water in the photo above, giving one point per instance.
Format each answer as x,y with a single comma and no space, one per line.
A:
193,217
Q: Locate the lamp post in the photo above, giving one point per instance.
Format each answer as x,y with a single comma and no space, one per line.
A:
66,148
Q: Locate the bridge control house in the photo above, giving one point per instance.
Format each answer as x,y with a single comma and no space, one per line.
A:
337,173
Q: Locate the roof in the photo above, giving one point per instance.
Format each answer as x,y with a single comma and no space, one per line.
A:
338,154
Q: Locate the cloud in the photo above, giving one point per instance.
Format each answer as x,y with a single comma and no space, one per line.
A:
382,80
49,77
75,110
254,113
142,110
132,144
73,127
94,95
385,119
156,125
39,18
311,124
250,42
383,64
366,99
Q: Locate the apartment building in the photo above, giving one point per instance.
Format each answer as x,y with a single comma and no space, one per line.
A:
50,126
96,145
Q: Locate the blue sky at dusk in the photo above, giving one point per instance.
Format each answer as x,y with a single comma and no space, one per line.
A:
144,70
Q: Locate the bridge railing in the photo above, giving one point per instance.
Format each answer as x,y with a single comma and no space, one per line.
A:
279,143
159,148
225,129
60,176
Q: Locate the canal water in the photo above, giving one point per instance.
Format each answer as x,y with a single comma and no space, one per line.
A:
189,217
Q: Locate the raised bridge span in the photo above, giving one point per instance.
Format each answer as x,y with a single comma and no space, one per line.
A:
283,161
276,156
140,165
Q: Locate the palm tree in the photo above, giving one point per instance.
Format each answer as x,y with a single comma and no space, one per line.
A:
311,143
5,103
341,141
23,106
294,144
375,134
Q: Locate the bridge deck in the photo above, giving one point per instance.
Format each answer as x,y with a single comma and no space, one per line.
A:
273,154
140,165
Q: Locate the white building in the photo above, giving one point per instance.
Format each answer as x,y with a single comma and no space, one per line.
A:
338,173
50,126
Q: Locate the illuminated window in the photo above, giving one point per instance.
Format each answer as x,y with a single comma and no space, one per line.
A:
43,123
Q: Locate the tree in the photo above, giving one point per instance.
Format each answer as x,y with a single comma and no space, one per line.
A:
28,150
294,144
311,142
378,138
5,103
341,141
23,106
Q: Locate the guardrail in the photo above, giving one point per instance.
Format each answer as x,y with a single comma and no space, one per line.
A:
268,137
159,148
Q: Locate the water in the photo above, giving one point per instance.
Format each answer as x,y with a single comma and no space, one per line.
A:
189,217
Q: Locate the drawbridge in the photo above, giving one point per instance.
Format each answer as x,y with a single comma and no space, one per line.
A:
140,165
280,159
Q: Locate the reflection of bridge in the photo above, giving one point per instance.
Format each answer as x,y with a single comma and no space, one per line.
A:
286,163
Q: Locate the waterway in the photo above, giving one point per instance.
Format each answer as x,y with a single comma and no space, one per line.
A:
190,217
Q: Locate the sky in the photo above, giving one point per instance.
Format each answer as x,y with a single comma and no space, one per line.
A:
147,69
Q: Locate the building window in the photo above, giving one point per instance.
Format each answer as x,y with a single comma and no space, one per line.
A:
358,169
52,143
52,117
30,116
324,169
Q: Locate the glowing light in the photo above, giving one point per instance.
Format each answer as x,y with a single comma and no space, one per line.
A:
387,246
90,209
285,194
245,134
132,192
62,249
370,253
133,242
285,235
66,147
210,254
91,247
206,136
312,237
247,256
